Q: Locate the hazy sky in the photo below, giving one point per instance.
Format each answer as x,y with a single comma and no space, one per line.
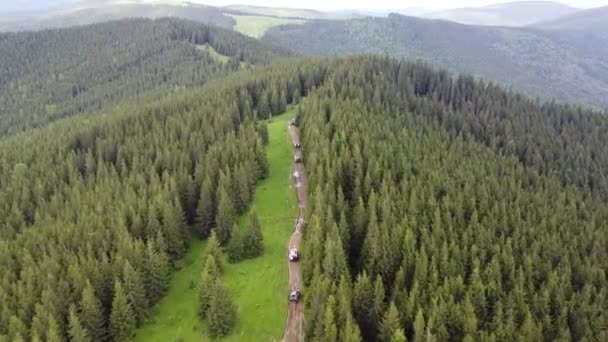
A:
385,4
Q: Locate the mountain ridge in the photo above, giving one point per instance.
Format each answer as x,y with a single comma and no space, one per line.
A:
567,66
517,14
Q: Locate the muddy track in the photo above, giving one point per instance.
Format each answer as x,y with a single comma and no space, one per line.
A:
294,327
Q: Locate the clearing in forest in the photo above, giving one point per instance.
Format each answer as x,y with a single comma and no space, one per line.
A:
258,286
255,25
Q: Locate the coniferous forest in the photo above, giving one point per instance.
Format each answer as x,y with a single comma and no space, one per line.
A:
441,207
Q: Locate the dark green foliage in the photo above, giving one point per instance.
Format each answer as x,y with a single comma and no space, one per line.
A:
248,244
390,324
205,210
85,196
209,277
573,57
134,287
254,241
155,272
122,318
475,214
76,332
91,314
221,314
48,75
226,217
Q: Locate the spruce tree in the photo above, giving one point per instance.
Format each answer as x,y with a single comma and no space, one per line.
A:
133,285
156,273
122,319
209,275
226,217
77,332
419,327
213,249
222,313
363,305
253,241
204,211
398,336
53,333
91,314
390,323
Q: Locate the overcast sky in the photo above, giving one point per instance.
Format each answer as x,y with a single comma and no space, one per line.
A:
383,4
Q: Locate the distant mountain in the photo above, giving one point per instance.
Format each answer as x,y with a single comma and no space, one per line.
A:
521,13
595,19
296,13
52,74
31,5
568,66
95,11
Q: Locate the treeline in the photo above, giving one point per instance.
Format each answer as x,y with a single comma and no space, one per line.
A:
446,209
97,210
531,60
48,75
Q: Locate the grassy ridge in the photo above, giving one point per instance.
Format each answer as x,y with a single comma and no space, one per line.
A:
259,286
255,26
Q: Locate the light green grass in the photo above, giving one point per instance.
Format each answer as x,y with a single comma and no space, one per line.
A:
259,286
255,25
218,57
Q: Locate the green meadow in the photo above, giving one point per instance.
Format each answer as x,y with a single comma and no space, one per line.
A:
258,286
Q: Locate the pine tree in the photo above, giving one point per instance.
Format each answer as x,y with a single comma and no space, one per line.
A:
275,101
205,209
390,323
282,102
243,190
398,336
91,314
363,305
122,318
261,161
213,249
174,231
137,293
254,241
351,332
226,217
53,332
156,273
222,313
77,333
330,330
205,291
419,327
264,109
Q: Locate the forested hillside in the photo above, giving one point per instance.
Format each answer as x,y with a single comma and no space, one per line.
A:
517,13
97,210
569,66
440,207
96,11
52,74
447,209
593,21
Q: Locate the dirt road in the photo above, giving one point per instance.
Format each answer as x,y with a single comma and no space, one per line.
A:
294,328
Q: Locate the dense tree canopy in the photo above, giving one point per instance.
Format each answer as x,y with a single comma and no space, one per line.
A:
440,207
106,204
47,75
451,209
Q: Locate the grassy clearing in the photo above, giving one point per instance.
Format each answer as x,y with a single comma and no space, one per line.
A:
259,286
216,55
255,26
